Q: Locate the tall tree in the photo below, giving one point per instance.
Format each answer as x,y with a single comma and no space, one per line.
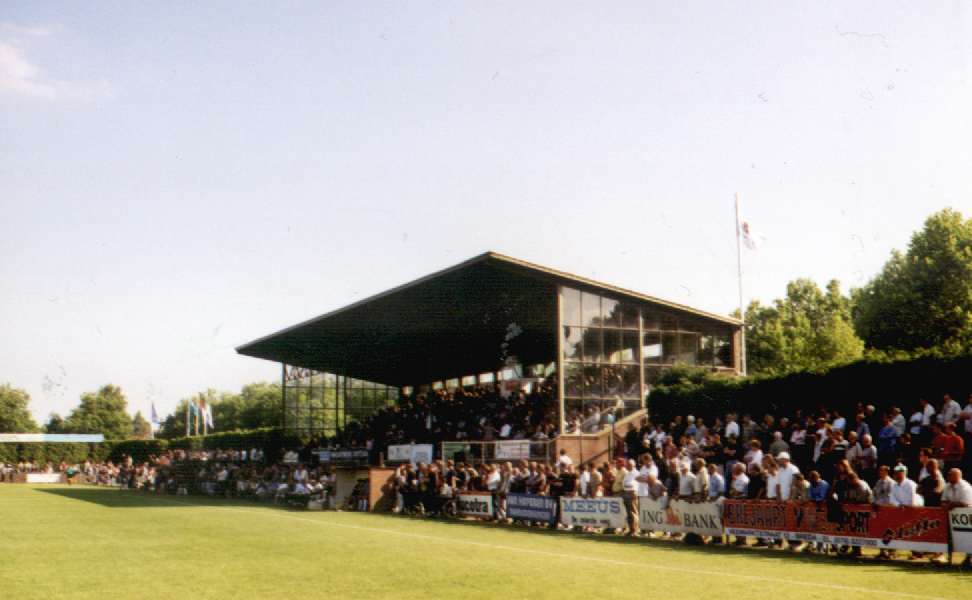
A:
807,329
923,298
141,428
55,424
14,415
101,412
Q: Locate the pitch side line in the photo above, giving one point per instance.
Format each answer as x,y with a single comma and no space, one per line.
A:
421,536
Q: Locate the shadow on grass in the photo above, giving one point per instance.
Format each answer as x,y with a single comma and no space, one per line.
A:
115,498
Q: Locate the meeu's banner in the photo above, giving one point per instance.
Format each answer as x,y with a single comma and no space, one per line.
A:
679,516
475,505
531,507
592,512
922,529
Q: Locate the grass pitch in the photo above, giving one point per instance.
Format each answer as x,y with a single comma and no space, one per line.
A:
87,542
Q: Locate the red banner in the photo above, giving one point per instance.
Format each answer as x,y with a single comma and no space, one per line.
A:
907,528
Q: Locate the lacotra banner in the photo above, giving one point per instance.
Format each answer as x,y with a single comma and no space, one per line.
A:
960,520
475,505
413,453
530,507
679,516
513,450
922,529
592,512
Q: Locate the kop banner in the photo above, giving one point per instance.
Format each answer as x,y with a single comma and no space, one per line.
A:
513,450
475,505
679,516
530,507
960,520
413,453
922,529
592,512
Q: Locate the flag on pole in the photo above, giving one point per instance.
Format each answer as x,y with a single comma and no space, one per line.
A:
155,415
752,240
208,416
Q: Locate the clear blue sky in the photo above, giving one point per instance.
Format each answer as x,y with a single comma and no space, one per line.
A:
177,179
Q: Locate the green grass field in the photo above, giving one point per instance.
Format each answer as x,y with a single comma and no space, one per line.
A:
87,542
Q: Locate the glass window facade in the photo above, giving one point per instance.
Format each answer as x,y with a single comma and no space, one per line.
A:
613,349
318,404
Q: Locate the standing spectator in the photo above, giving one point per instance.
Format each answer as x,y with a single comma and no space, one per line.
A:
927,418
887,442
629,485
904,492
778,445
732,427
950,411
953,447
717,484
882,487
898,420
931,485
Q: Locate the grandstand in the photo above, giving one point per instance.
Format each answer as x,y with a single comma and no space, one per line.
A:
498,322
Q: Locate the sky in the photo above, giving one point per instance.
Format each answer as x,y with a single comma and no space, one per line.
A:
180,178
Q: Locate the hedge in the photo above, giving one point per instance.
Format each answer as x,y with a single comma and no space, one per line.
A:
883,383
271,441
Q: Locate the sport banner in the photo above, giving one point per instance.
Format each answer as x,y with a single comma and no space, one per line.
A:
592,512
513,450
475,505
960,520
906,528
679,516
531,507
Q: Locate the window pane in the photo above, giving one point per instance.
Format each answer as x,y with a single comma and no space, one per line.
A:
612,345
669,348
612,381
705,350
652,375
629,316
574,380
590,309
570,306
652,348
722,350
629,347
651,320
630,382
593,351
688,348
611,311
669,323
594,385
572,342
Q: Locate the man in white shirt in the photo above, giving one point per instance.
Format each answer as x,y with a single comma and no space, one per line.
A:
563,459
904,492
717,485
739,486
732,428
686,482
958,492
629,486
839,422
950,411
647,472
898,421
785,475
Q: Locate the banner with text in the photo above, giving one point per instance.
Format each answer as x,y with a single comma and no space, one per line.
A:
44,478
592,512
960,520
530,507
413,453
679,516
513,450
921,529
475,505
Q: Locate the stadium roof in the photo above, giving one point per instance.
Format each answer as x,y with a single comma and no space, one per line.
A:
443,325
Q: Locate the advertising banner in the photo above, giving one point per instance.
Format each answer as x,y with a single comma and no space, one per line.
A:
960,520
592,512
905,528
345,456
43,478
513,450
679,516
413,453
530,507
475,505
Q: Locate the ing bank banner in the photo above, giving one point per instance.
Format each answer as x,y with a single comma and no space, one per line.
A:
679,516
921,529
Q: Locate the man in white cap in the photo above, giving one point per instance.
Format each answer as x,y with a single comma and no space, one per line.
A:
904,492
785,475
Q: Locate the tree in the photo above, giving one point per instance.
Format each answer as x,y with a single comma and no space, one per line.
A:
14,416
922,299
808,329
141,428
55,424
102,412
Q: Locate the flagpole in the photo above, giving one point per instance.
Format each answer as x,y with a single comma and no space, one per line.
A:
742,310
188,419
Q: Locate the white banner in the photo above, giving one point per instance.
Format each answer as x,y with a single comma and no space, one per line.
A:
93,438
413,453
592,512
43,478
679,516
960,522
513,450
475,505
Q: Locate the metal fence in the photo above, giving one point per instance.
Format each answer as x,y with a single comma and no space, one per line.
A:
498,451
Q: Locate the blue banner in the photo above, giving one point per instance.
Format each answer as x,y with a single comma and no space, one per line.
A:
530,507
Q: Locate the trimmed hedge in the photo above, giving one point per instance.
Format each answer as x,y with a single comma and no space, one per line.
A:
271,441
883,383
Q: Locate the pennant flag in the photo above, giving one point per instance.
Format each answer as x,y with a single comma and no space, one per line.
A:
194,408
752,240
155,415
208,416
